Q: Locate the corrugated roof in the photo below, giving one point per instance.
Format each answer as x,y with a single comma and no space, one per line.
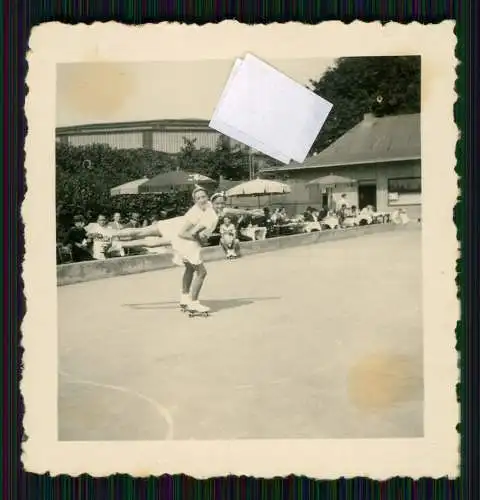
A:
373,140
188,123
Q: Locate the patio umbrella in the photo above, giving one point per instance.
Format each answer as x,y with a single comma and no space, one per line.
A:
330,182
128,188
258,187
175,180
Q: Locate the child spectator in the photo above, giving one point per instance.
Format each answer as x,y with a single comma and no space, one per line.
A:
228,238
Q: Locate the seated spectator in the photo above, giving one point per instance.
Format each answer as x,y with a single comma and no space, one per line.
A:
265,220
275,216
243,234
76,240
365,216
399,217
351,217
266,215
116,222
330,221
308,215
312,218
283,217
228,238
101,235
404,216
134,221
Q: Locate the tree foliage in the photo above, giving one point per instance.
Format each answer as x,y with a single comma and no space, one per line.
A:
224,161
359,85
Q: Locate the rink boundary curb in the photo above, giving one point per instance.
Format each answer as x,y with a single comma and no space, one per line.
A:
69,274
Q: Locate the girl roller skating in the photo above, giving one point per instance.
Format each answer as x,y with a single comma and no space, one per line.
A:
186,235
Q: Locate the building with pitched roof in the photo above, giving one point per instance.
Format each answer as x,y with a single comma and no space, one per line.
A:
381,154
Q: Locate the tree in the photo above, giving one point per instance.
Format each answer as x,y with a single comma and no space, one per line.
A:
358,85
193,159
230,162
227,161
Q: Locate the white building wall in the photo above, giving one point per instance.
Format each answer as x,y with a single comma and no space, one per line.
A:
127,140
172,141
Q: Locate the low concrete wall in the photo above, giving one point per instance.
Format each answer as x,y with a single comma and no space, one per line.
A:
68,274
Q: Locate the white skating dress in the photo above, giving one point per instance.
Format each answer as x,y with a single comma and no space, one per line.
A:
188,250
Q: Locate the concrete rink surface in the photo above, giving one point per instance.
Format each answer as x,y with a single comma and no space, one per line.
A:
318,341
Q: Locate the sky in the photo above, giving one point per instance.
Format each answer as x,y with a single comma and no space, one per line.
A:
119,92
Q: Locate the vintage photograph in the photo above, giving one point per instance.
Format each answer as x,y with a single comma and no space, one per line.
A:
207,291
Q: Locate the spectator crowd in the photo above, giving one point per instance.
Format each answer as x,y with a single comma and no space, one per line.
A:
96,240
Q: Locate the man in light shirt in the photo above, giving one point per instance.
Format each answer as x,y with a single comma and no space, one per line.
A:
116,222
101,235
343,203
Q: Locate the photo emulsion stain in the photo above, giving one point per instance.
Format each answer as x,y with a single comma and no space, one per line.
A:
239,297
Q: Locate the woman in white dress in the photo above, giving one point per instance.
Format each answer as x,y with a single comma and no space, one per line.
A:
186,235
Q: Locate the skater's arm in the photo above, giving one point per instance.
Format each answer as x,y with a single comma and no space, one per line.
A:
190,231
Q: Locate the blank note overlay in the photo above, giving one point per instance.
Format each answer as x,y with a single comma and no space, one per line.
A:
268,111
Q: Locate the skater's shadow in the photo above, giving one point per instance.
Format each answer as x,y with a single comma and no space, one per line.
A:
214,305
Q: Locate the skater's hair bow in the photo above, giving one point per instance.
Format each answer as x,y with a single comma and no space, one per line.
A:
197,189
217,195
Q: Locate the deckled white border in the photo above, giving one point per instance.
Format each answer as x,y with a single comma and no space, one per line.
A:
436,454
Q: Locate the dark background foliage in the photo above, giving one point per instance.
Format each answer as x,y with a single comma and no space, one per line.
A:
359,85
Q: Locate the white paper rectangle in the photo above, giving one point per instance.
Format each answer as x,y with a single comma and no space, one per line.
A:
268,107
238,135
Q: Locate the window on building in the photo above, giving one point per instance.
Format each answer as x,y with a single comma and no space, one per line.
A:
407,191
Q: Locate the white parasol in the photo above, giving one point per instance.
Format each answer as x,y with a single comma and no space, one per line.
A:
128,188
258,187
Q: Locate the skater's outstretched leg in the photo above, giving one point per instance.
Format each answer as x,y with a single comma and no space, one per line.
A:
160,242
136,233
137,237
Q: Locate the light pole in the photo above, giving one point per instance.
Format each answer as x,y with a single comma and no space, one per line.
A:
251,163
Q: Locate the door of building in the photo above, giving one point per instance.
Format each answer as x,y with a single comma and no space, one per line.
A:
367,195
324,200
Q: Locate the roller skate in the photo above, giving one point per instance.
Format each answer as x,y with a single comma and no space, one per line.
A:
197,309
184,302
